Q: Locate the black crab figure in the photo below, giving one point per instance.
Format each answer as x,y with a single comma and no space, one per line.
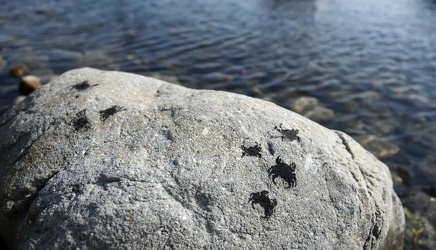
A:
105,114
289,134
284,171
264,201
252,151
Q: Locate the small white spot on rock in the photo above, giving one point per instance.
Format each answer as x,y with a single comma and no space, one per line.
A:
205,131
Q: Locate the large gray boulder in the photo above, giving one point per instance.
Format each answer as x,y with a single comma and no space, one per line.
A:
110,160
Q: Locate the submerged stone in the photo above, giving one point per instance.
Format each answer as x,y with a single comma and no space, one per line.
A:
304,104
18,70
29,84
381,148
320,114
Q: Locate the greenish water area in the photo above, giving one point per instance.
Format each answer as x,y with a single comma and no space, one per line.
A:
369,66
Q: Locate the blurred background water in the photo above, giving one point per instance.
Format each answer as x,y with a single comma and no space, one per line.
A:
367,67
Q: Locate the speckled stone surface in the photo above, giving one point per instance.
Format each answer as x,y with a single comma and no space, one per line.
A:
110,160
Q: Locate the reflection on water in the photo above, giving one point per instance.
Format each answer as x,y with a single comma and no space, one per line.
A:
372,62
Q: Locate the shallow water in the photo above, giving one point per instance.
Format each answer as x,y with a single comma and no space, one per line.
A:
373,62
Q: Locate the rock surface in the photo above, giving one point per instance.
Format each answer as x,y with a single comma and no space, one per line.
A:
110,160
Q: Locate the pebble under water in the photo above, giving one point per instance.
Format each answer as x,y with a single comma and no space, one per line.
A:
366,67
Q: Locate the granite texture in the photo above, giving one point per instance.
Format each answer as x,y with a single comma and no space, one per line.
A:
111,160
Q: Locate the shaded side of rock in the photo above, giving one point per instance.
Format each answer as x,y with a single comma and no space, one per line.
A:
396,220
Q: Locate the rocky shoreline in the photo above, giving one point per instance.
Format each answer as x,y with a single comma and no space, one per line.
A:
420,230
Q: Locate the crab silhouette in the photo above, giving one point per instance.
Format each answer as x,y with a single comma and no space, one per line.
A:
264,201
105,114
290,134
81,121
252,151
82,86
284,171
